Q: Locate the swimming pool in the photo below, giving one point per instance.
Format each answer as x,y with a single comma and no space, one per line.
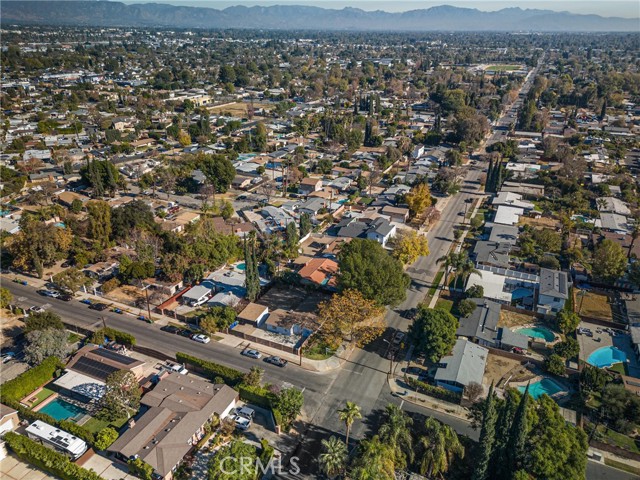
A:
62,410
606,356
520,293
60,225
545,386
241,266
538,332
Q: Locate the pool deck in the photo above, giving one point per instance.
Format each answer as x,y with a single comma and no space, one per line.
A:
621,340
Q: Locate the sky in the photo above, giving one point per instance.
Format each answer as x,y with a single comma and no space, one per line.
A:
605,8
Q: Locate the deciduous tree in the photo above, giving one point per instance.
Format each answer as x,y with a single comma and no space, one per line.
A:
433,332
122,396
408,246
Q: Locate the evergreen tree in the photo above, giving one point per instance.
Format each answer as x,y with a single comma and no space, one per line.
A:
499,177
487,186
487,437
498,467
518,436
252,278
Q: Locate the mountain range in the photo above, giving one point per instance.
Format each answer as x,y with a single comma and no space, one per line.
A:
297,17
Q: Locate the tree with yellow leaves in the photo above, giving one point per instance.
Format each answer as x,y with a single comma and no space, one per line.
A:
418,199
348,315
408,246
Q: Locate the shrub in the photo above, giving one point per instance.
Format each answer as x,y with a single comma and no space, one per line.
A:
212,370
140,469
433,391
257,395
110,285
21,386
124,338
47,459
555,364
105,438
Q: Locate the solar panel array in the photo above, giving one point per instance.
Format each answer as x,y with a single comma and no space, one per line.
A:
93,368
116,357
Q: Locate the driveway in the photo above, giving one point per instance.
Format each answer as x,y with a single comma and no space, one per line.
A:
12,468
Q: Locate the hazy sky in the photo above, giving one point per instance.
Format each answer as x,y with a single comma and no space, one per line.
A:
606,8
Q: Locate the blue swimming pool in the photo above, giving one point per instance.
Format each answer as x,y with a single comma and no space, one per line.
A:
60,225
545,386
241,266
520,293
606,356
538,332
62,410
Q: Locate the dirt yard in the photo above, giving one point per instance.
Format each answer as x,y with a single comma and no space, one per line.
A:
239,109
12,326
514,319
499,367
542,222
594,305
126,294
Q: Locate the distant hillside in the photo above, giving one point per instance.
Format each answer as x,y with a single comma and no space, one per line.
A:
444,18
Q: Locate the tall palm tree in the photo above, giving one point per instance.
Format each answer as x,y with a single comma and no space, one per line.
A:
395,431
374,462
465,268
333,458
440,445
448,262
349,414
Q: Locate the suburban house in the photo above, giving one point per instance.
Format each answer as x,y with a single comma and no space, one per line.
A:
504,285
465,365
290,323
312,206
253,314
178,409
506,215
101,270
378,229
396,214
481,326
86,373
320,271
491,253
67,198
9,420
198,294
503,233
309,185
553,291
511,199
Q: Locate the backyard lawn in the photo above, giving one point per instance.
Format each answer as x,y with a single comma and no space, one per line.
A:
41,396
95,425
594,305
515,319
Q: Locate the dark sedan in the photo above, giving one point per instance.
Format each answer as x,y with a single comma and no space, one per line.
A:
170,329
98,306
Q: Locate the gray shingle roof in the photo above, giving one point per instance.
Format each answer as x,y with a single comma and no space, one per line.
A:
465,365
554,283
482,322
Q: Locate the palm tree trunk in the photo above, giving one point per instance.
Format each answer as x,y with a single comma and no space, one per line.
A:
347,436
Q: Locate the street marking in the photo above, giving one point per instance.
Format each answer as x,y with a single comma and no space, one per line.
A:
352,371
401,404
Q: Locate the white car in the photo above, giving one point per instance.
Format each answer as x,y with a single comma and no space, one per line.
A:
51,293
200,338
251,353
177,368
242,423
245,412
398,337
35,309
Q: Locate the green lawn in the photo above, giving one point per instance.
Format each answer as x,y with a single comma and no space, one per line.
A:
617,439
444,304
620,368
42,396
73,338
319,350
622,466
95,425
436,282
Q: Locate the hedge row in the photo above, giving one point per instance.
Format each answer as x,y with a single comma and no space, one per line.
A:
433,391
21,386
261,397
123,338
212,370
47,459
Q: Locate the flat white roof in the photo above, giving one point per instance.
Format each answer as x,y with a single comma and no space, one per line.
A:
60,438
508,215
82,384
493,285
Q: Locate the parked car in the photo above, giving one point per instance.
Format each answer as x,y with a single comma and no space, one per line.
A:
242,423
117,310
251,353
277,361
185,333
170,329
36,309
49,293
8,356
98,306
200,338
398,337
65,297
177,368
86,301
246,412
518,350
